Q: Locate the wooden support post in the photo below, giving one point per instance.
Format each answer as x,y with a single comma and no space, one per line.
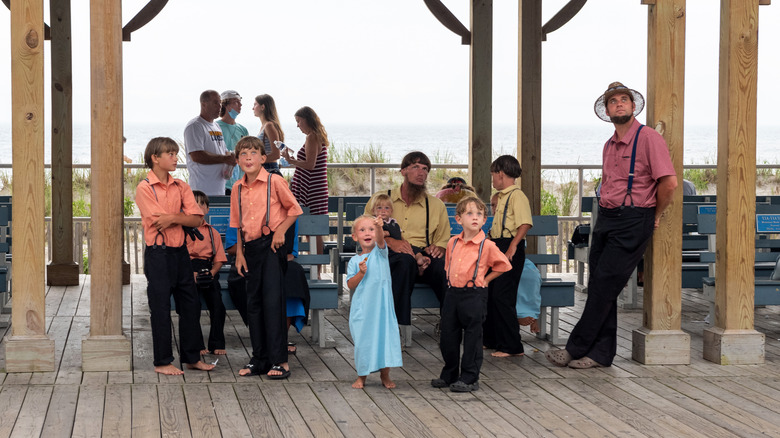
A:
28,348
661,339
733,339
529,109
106,348
481,97
62,271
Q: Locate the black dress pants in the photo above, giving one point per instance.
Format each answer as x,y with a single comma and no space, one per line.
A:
403,271
265,302
435,277
462,316
212,295
617,244
169,272
501,329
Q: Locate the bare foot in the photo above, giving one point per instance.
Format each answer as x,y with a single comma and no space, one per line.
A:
360,382
205,351
384,374
200,365
274,372
220,352
502,354
168,370
535,326
244,372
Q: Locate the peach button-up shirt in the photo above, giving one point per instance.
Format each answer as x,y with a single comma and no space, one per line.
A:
254,202
171,197
201,249
461,262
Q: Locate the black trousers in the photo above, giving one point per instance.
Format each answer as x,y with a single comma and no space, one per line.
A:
617,244
501,329
435,277
403,271
169,272
212,295
462,315
265,303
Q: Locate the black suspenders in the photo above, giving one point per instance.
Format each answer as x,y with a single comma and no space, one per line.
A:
267,211
476,268
631,170
503,219
427,217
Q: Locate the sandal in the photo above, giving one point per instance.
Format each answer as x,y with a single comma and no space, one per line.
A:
285,373
559,358
291,348
253,371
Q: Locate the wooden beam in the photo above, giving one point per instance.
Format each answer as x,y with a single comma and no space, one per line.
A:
567,12
28,348
108,349
661,339
733,339
62,271
529,109
449,20
481,97
144,16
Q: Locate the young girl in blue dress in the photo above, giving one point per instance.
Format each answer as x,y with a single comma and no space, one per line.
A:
372,320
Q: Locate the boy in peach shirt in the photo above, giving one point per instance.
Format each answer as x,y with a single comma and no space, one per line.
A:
166,205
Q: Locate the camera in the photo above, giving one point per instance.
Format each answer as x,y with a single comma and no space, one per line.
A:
204,278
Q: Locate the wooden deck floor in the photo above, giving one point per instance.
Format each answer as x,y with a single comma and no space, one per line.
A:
523,396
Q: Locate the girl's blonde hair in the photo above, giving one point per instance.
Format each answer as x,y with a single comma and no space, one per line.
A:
378,199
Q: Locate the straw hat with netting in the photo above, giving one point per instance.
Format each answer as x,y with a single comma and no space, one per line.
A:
600,107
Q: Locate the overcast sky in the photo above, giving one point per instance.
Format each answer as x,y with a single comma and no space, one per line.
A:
390,62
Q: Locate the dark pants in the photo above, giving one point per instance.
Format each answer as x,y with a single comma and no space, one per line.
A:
501,329
435,277
616,246
169,272
212,295
403,271
265,303
462,315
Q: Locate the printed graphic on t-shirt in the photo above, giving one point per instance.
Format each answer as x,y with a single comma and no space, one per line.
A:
216,135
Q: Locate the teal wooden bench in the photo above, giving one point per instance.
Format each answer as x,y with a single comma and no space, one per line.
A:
5,253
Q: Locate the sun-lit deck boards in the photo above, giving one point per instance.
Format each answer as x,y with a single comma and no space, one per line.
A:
521,396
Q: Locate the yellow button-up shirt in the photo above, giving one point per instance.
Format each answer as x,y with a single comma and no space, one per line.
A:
518,212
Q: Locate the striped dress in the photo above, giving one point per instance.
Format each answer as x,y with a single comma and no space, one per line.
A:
310,187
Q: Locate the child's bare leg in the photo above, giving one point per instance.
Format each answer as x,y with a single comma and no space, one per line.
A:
360,382
384,374
168,370
200,365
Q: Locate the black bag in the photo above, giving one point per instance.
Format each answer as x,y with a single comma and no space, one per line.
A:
581,235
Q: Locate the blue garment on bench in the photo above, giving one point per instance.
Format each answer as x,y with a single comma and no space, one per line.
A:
529,292
296,311
372,321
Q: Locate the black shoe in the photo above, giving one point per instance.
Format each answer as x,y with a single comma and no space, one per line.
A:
439,383
460,386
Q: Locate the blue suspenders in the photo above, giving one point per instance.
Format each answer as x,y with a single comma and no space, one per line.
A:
631,170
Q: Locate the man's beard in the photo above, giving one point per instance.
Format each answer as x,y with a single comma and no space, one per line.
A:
620,120
415,191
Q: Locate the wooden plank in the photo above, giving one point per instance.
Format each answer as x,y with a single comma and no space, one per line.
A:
368,412
404,419
200,409
228,411
340,411
454,413
70,299
146,411
516,417
417,404
11,399
173,411
33,412
289,420
143,355
89,413
743,399
118,415
258,415
70,365
58,331
314,412
61,413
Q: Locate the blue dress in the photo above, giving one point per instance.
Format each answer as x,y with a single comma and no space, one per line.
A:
372,320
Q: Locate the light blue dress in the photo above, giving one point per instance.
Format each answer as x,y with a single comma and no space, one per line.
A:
529,291
372,320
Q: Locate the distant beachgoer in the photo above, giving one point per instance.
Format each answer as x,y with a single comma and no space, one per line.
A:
310,180
125,157
231,131
270,131
689,189
209,162
455,190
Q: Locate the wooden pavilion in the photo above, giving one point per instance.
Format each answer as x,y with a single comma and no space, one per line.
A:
660,340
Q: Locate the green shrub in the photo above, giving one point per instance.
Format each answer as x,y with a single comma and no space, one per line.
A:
549,204
128,206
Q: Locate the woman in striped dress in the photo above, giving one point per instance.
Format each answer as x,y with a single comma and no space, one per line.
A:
310,180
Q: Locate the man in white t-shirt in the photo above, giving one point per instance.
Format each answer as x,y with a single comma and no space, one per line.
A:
208,160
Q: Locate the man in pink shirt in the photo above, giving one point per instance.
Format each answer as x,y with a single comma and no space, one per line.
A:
637,184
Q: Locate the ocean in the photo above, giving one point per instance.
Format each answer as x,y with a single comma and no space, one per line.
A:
560,144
